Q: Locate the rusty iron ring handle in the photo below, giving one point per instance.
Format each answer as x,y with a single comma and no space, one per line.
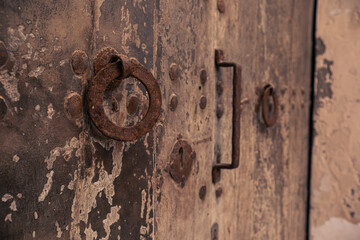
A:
122,67
269,91
219,61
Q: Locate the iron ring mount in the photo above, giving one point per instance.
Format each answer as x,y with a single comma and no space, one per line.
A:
122,67
269,91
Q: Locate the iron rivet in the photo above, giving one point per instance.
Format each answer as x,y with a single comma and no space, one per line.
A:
73,106
3,54
214,231
3,108
203,76
218,192
174,71
221,6
202,193
219,110
219,88
203,102
79,62
173,102
132,105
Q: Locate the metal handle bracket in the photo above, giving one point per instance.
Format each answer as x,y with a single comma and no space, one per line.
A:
219,62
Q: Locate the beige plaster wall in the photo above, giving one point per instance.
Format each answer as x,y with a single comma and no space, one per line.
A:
335,190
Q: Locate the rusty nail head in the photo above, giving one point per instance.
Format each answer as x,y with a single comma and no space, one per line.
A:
203,76
203,102
202,192
3,108
214,231
219,87
103,58
174,71
79,62
73,106
219,110
3,54
218,192
173,102
221,6
181,161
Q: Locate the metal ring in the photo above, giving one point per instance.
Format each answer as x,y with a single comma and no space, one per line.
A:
121,68
269,91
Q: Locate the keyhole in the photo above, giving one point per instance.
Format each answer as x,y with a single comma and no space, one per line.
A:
181,153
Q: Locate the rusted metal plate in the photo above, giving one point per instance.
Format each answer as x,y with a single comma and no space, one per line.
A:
181,161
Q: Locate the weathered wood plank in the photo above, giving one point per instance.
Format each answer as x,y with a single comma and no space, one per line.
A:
39,145
265,198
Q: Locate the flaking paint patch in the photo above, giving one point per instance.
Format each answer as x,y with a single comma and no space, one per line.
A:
47,186
86,191
10,84
13,206
148,200
111,218
8,218
16,37
15,158
58,230
6,197
50,111
36,72
98,4
130,31
65,151
90,234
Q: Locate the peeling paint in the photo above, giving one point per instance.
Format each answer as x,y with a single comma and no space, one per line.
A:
50,111
65,151
13,206
86,191
111,218
8,218
6,197
15,158
37,72
10,84
47,187
58,229
97,12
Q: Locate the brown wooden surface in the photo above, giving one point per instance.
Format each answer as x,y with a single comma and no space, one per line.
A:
265,198
98,188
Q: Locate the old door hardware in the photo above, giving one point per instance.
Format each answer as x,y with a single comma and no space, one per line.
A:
121,67
215,232
265,107
181,161
219,61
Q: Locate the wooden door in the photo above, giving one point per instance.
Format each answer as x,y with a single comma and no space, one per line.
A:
62,178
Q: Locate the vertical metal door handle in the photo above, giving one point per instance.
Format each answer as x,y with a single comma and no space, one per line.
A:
235,152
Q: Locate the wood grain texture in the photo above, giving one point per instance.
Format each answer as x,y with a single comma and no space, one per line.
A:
335,196
265,198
